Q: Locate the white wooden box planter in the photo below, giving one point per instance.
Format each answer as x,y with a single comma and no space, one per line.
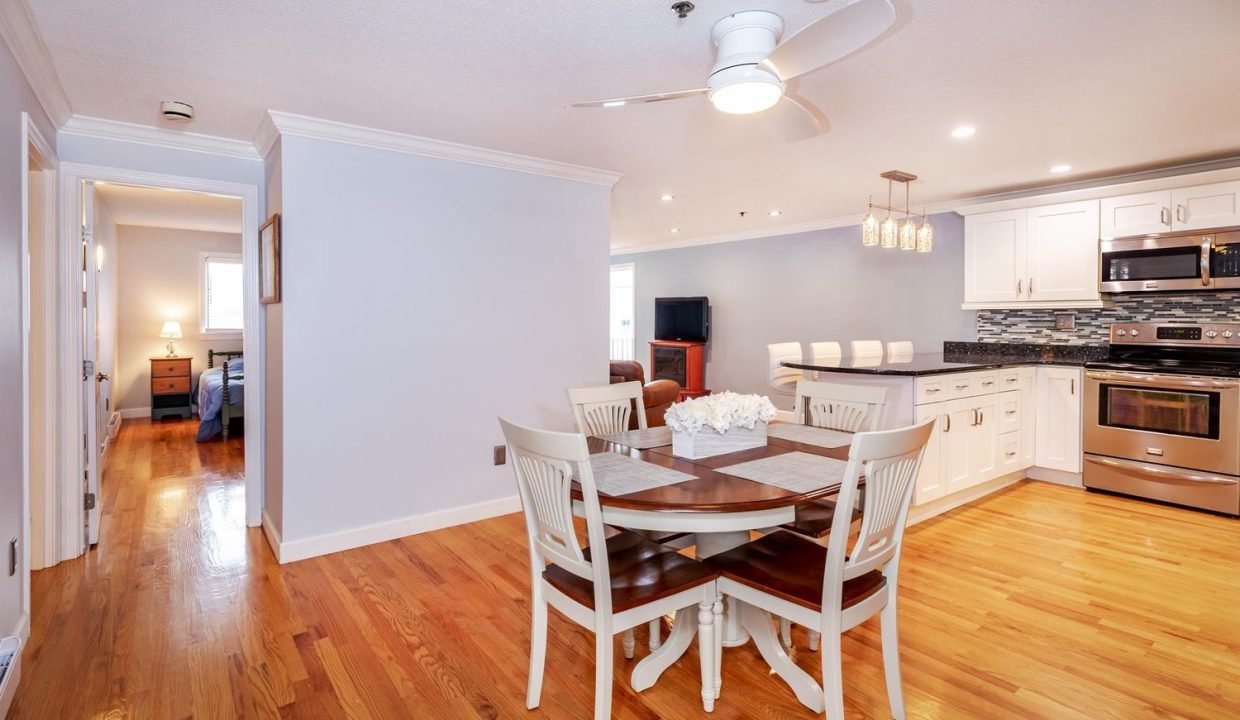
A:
707,442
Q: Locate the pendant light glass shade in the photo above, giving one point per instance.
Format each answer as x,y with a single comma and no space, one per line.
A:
908,235
869,230
925,236
887,233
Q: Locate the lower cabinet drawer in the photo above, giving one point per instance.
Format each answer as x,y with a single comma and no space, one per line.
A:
1010,411
1009,453
164,386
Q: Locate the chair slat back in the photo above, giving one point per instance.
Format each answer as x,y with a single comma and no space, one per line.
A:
889,460
605,409
900,349
840,406
826,353
782,379
545,464
867,348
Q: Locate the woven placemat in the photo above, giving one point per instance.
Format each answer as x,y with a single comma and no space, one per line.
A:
642,439
810,435
616,474
795,471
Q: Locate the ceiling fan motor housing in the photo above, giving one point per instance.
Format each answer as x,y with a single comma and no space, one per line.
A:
744,40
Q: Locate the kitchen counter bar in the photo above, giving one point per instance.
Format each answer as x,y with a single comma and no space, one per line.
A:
963,357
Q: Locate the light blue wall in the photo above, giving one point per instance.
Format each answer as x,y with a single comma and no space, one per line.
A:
813,286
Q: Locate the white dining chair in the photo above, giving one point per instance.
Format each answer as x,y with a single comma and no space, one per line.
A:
827,352
601,410
783,380
866,348
612,585
605,410
837,587
898,350
845,408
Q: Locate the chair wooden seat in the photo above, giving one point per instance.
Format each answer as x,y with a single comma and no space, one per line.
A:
815,519
790,567
641,572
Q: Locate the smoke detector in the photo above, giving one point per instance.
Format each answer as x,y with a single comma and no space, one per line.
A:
176,111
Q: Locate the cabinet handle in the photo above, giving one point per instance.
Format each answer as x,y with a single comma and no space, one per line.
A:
1011,412
932,390
963,387
1009,454
1072,386
1181,213
1009,381
981,417
947,427
1030,287
973,422
988,383
1020,284
1164,215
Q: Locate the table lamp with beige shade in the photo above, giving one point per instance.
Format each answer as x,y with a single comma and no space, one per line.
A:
172,331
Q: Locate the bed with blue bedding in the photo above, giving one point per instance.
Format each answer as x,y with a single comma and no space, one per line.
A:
221,394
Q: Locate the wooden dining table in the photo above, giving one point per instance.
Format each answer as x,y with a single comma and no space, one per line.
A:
721,510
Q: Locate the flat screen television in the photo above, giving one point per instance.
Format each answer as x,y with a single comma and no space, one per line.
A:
682,318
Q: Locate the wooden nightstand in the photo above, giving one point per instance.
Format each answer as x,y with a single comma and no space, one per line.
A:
171,392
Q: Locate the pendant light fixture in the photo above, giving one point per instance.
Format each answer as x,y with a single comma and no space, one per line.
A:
905,234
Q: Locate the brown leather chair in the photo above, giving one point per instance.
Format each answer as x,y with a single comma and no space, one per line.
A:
657,395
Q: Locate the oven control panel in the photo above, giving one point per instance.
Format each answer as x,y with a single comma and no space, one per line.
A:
1177,334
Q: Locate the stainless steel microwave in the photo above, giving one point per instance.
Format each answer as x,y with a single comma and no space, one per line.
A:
1181,261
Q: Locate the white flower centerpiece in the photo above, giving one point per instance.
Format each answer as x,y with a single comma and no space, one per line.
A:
718,424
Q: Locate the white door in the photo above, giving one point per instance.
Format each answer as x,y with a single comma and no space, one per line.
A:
929,479
954,445
983,440
994,257
1062,256
1206,206
91,395
1139,214
1058,440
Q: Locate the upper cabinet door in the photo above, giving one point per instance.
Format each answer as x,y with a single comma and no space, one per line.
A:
1062,257
1139,214
1206,206
994,257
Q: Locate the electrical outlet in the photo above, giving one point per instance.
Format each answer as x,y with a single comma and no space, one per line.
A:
1065,321
499,455
12,557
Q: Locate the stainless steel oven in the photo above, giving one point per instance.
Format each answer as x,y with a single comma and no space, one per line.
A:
1162,415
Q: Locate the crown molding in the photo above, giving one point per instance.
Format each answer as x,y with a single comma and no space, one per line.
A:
158,137
319,129
266,136
20,33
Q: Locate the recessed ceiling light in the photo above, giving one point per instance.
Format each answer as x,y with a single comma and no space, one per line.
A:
675,230
1061,168
964,131
665,197
613,103
775,213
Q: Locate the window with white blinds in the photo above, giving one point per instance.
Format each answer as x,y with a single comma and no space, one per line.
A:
222,306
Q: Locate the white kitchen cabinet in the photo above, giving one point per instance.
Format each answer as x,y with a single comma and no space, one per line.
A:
994,257
1058,437
929,476
1028,406
1010,453
1061,259
982,442
955,455
1010,415
1206,206
1038,257
1139,214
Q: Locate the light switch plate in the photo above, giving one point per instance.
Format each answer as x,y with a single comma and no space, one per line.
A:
499,455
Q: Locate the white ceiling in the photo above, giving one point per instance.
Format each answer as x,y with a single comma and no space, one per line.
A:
179,209
1106,85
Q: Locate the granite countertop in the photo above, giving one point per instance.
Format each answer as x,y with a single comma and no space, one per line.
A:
965,356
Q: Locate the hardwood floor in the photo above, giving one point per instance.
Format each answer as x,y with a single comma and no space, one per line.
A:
1037,602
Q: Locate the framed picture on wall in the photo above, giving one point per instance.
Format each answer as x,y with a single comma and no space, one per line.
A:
269,260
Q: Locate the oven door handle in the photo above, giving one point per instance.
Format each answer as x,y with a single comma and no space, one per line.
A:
1161,474
1191,382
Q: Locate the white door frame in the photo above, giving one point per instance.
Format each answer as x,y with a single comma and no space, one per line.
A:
33,142
69,330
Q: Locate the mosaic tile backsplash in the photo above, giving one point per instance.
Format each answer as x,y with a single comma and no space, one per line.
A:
1093,326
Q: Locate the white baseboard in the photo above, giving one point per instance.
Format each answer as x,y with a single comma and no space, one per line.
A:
933,508
22,628
130,413
272,534
1059,477
292,550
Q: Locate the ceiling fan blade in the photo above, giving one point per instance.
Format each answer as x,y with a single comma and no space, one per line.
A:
657,97
830,38
794,118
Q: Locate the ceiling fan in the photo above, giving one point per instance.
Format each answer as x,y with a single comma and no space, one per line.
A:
752,68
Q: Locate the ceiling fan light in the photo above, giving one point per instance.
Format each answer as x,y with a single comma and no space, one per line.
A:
744,89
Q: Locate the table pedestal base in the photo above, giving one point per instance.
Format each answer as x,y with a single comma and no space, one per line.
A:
734,633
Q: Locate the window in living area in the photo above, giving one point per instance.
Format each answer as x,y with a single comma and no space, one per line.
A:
222,308
622,312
